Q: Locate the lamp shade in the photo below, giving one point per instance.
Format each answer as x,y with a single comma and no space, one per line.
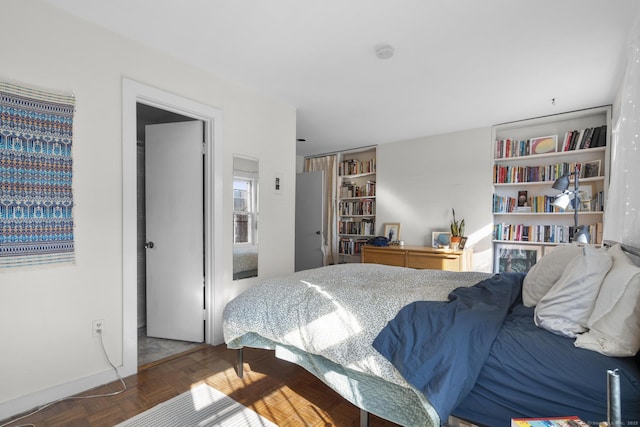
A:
561,183
562,200
582,235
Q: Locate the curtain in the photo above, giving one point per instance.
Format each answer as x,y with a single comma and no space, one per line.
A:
622,213
328,165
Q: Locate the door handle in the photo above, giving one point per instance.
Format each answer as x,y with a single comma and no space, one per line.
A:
148,245
318,233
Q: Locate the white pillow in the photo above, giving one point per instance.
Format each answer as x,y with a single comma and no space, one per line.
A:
546,272
615,321
566,308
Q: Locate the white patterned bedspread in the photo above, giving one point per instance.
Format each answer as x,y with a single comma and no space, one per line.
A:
337,311
245,258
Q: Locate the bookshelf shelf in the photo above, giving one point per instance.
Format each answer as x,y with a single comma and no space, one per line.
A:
520,242
357,198
355,202
523,176
545,183
358,175
546,214
548,156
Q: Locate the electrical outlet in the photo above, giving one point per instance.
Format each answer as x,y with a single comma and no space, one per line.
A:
97,327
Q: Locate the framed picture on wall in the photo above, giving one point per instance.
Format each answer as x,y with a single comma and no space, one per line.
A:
516,258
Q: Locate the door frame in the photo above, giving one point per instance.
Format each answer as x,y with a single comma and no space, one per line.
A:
134,92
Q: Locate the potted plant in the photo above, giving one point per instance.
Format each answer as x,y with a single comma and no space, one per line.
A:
457,230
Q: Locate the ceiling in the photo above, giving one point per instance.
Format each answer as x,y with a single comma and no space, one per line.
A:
458,64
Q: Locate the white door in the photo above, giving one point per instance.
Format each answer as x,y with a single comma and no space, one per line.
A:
175,231
310,214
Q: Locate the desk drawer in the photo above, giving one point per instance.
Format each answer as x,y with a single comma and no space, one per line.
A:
449,262
381,256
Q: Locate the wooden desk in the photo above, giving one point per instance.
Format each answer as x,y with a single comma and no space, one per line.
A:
420,257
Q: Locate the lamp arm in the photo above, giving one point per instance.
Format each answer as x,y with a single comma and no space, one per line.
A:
575,200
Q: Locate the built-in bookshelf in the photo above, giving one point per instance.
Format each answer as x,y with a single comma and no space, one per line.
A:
356,204
528,156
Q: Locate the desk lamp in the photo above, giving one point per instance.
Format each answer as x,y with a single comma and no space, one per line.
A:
580,232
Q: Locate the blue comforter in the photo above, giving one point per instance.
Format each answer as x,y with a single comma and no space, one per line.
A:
440,347
481,357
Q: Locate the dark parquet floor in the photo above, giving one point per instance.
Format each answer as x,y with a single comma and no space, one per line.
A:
280,391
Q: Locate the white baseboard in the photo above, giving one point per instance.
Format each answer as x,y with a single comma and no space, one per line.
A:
35,400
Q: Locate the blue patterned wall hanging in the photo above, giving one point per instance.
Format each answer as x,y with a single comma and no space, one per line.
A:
36,200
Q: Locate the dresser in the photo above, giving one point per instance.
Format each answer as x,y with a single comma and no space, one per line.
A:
420,257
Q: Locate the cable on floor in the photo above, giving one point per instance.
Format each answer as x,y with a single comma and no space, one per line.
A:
115,393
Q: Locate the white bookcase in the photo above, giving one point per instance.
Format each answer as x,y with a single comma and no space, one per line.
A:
356,202
528,156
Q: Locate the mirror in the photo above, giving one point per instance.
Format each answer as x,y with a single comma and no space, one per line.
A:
245,217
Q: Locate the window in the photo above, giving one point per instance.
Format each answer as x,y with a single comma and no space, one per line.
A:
244,210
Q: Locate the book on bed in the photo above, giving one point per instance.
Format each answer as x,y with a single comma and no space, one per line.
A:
548,422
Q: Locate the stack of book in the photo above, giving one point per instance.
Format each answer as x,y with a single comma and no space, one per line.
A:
585,138
356,167
548,422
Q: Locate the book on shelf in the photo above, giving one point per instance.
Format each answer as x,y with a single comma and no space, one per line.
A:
542,233
357,207
364,227
598,233
351,246
586,138
511,174
571,421
351,189
536,204
356,167
573,140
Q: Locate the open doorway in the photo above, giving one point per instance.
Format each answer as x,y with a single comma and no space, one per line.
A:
151,348
132,93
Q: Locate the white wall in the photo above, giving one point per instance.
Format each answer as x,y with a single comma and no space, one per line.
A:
45,315
419,181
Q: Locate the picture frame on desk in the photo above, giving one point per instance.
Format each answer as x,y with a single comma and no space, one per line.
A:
440,239
515,258
463,242
543,144
392,231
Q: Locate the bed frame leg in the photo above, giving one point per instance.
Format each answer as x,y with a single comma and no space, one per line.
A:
364,418
240,363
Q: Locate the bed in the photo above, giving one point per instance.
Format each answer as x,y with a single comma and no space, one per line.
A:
245,261
418,346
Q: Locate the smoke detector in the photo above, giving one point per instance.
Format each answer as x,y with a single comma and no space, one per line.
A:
384,51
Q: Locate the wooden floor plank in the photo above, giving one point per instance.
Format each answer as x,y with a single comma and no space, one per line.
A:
280,391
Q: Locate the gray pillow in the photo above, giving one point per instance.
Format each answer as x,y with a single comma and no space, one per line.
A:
566,308
546,272
615,321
